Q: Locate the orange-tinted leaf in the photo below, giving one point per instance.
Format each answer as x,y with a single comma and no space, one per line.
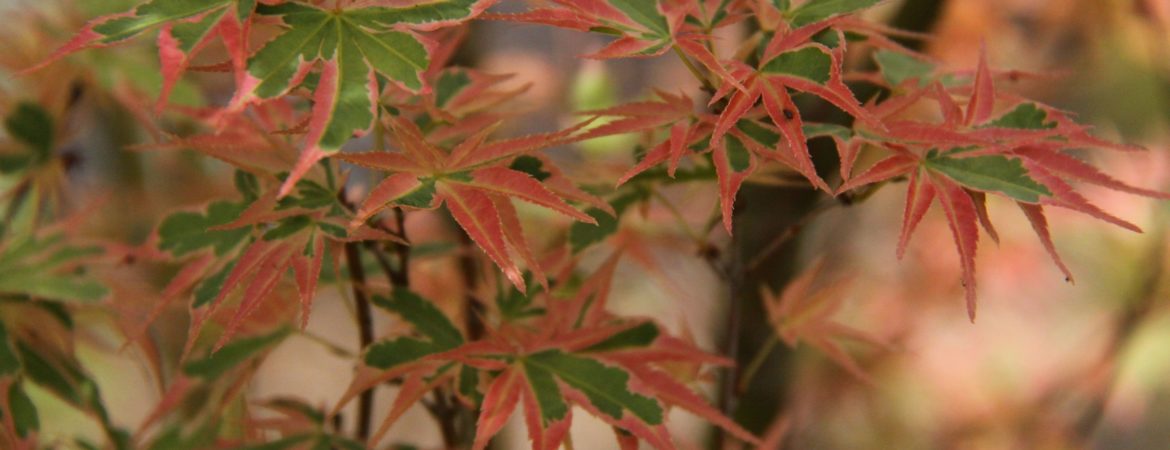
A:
961,217
919,196
1035,215
477,215
520,185
979,108
498,403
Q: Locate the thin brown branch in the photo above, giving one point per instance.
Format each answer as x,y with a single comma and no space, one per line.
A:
357,277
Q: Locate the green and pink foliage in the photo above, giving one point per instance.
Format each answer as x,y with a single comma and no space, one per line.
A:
312,77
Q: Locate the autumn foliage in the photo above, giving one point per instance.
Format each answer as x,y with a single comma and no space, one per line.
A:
345,119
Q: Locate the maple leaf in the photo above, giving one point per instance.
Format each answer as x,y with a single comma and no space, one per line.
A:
355,46
569,353
186,27
803,312
643,28
209,382
473,182
1018,155
293,232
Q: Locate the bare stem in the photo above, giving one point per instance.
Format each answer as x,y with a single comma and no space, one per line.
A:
734,275
749,371
357,277
787,234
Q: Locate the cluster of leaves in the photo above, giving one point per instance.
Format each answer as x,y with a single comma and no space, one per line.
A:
310,78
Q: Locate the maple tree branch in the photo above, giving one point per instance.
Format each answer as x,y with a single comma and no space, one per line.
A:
357,277
734,275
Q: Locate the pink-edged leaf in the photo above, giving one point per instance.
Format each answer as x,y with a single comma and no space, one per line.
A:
171,399
477,215
933,135
247,262
587,307
415,145
657,155
657,436
267,274
1035,215
783,42
392,188
503,149
387,161
1068,165
498,404
567,189
738,105
179,41
470,144
727,156
847,151
557,17
982,102
668,349
962,218
307,269
952,115
1064,196
980,200
411,393
919,196
679,133
668,390
543,435
342,106
625,47
182,282
893,166
786,116
623,126
514,235
520,185
693,48
262,210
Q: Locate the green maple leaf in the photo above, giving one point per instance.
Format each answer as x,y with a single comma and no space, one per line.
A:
355,47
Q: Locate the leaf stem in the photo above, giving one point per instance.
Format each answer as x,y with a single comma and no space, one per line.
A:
749,371
678,217
707,86
787,234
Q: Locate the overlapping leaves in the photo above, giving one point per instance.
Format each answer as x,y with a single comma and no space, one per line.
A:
570,353
1019,154
476,180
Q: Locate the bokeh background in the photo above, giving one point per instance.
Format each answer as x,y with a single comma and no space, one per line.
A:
1048,364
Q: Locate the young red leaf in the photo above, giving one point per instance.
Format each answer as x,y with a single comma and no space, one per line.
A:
919,195
961,217
1035,215
498,404
476,214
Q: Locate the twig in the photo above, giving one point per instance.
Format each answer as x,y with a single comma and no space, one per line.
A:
787,234
357,277
734,275
749,371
